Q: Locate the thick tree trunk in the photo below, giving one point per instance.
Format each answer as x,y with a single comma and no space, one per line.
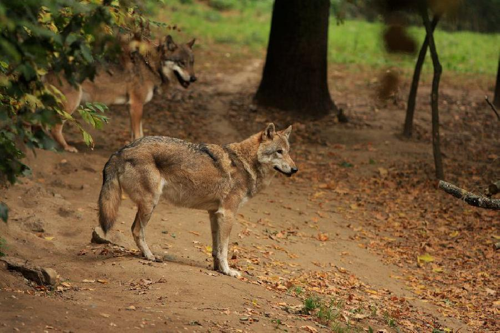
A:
410,109
496,99
295,74
436,146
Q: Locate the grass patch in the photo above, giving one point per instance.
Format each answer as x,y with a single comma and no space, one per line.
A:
245,26
358,42
328,313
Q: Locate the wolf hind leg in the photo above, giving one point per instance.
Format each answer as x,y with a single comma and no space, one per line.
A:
144,188
139,227
73,99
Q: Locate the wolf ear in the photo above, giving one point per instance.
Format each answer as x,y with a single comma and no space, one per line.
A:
287,132
169,42
191,43
269,132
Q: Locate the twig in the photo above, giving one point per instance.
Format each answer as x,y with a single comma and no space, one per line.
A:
492,107
470,198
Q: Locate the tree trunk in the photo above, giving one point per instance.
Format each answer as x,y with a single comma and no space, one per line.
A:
295,74
436,146
410,109
496,99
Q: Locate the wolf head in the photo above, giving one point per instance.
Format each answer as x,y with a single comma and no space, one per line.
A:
177,60
274,150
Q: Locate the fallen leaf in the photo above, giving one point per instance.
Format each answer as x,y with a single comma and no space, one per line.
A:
322,237
425,259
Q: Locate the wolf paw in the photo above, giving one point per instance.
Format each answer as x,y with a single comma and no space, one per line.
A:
71,149
152,257
233,273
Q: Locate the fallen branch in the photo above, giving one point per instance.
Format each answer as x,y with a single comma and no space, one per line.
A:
492,107
470,198
39,275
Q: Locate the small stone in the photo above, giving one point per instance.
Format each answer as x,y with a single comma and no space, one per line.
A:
34,224
497,246
50,276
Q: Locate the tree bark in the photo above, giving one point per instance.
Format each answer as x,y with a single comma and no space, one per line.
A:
496,99
436,146
410,108
470,198
295,73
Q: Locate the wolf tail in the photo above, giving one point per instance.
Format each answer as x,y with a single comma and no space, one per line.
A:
110,197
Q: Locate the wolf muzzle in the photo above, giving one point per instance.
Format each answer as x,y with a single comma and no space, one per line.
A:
288,174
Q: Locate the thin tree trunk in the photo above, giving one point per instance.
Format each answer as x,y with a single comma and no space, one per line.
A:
295,74
436,146
410,109
496,99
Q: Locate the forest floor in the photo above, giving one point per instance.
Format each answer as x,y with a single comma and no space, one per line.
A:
359,240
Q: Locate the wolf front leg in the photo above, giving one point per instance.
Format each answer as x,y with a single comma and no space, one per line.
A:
221,222
136,110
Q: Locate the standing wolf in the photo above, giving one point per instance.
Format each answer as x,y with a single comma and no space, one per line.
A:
133,83
219,179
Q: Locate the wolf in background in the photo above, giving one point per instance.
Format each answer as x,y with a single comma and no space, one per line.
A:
132,82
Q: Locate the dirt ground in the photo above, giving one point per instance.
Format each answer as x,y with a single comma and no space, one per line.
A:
361,229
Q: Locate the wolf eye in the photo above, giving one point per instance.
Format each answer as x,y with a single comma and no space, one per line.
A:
279,151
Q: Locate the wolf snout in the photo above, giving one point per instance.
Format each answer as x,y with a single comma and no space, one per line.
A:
193,78
294,170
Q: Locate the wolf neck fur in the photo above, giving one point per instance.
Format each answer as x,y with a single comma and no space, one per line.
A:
247,153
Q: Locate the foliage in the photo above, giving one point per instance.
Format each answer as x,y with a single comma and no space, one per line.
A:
65,38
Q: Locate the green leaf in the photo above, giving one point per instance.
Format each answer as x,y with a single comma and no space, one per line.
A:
87,138
86,53
346,164
426,258
4,212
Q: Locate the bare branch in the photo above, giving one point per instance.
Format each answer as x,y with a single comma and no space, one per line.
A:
470,198
492,107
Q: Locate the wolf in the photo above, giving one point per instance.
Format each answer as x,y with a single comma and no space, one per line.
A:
133,82
218,179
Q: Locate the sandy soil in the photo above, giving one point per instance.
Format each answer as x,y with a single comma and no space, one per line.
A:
286,237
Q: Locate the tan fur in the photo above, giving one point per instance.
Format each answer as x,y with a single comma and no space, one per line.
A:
215,178
132,82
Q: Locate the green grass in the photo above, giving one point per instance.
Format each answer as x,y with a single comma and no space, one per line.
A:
357,42
244,26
